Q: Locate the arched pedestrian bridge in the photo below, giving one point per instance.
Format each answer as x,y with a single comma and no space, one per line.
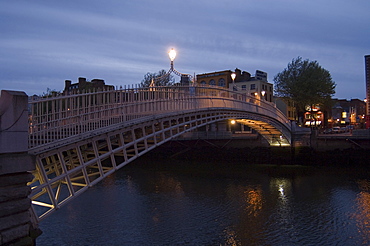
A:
80,139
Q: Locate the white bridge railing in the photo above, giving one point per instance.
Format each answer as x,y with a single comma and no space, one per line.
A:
56,118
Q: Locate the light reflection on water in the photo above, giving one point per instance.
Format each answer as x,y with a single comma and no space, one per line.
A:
206,204
362,211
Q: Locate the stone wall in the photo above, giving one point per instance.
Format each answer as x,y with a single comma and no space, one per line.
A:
16,226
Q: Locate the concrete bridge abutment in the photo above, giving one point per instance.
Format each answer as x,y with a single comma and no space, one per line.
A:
17,226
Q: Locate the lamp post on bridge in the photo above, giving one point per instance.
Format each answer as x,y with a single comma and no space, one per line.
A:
172,55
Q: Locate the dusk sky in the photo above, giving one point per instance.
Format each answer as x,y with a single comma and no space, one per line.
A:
43,43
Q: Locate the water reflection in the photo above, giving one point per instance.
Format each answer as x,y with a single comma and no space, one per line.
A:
362,215
254,200
190,205
282,185
231,238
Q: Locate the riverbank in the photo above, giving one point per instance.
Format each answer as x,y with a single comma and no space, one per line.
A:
222,150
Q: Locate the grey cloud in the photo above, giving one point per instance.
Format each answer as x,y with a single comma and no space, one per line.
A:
46,42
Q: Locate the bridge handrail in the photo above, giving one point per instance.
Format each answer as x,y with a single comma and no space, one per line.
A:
60,117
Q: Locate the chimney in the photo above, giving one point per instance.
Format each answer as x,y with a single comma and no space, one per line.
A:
67,85
81,83
238,73
246,76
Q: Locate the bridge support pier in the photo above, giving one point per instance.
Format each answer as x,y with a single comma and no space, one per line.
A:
16,226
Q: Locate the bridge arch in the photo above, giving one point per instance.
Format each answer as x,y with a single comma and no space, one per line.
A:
107,134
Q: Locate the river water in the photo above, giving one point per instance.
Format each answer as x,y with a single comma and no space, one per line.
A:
205,203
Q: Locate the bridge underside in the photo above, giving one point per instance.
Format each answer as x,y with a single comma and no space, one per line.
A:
274,136
64,169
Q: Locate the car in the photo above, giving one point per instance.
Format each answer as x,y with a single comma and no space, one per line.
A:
336,129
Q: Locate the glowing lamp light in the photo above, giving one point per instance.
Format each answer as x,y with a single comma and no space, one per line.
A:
172,54
233,76
233,122
263,93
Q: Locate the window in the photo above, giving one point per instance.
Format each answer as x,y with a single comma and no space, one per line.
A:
212,82
202,82
253,86
221,82
244,87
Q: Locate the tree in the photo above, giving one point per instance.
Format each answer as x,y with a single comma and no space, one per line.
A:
50,93
306,83
159,79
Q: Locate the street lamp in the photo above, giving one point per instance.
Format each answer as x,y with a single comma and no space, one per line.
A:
172,55
232,126
263,94
233,76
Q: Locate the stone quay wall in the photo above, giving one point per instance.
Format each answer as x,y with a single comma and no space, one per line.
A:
17,224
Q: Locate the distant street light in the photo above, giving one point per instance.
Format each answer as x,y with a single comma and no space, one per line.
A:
263,94
233,76
232,126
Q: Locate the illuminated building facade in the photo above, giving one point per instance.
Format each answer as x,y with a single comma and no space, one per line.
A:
347,112
256,86
220,78
313,116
